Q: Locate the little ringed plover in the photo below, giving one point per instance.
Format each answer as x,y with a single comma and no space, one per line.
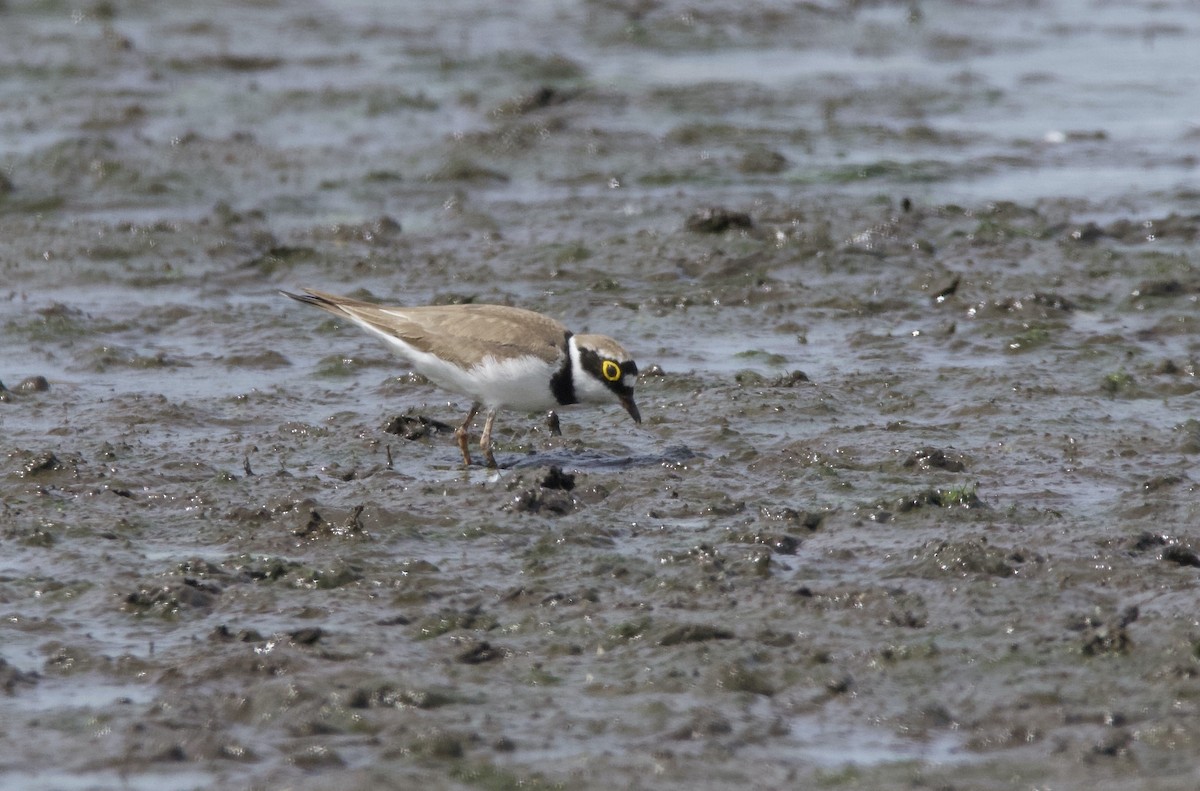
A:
502,357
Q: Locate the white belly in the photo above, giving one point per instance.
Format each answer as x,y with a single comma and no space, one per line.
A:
521,384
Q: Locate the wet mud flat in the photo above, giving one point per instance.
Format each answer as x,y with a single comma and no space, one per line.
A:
913,503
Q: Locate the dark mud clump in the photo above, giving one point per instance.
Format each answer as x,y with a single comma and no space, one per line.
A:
715,219
414,427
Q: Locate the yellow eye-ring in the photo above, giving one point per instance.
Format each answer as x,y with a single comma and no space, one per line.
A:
611,371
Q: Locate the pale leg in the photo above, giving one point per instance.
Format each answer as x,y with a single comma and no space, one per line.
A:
485,441
460,433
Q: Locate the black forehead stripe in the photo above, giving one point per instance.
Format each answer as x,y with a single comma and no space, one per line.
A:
594,362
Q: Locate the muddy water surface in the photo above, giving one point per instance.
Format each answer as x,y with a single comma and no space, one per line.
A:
913,287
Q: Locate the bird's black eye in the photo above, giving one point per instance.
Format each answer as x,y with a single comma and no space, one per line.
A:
610,370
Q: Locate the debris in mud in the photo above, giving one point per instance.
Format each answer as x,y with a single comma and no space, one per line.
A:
1172,368
789,379
279,257
529,597
41,462
948,290
107,356
5,394
715,219
962,558
956,496
309,635
416,427
1170,287
313,526
169,600
1134,231
908,619
932,715
266,569
1182,556
760,159
1117,382
482,652
171,753
929,457
223,634
262,360
381,229
1087,233
552,495
233,750
1147,540
724,505
809,520
741,677
337,575
31,384
395,620
541,500
749,378
459,168
891,605
440,744
11,677
391,697
1046,300
1107,636
31,537
471,619
60,321
1052,301
1031,337
317,756
198,567
886,239
694,633
704,557
543,97
317,527
1190,442
1114,745
1162,482
703,724
781,544
557,479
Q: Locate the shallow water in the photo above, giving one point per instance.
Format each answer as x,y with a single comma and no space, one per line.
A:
913,501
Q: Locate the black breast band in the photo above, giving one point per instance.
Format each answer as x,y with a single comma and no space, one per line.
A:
562,384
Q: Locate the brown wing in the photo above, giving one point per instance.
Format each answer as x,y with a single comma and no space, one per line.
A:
461,334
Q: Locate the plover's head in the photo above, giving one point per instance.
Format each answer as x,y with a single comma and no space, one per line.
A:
604,370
